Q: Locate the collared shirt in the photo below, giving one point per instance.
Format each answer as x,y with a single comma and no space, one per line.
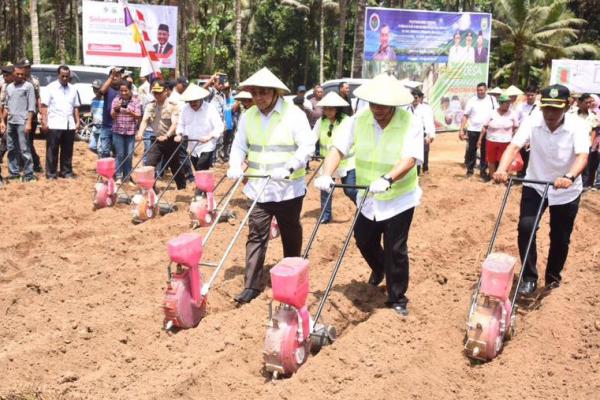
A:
126,124
552,154
380,210
525,110
61,102
201,124
297,122
159,117
479,111
19,102
424,112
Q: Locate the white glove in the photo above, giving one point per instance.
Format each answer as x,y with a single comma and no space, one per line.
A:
379,185
324,183
234,172
279,174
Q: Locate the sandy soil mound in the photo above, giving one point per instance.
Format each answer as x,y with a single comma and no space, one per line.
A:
81,293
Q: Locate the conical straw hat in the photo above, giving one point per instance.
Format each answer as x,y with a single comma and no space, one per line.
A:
384,90
513,91
496,90
332,99
265,78
243,95
410,84
194,92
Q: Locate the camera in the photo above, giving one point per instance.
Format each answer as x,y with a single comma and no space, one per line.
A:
222,79
124,103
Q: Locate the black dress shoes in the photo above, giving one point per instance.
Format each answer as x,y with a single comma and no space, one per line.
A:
527,288
401,307
376,278
247,296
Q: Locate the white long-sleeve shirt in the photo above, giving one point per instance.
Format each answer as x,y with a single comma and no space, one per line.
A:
304,138
205,123
380,210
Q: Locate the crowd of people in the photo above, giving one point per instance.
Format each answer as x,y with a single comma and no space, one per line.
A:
382,144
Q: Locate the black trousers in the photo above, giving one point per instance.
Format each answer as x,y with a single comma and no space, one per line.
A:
425,167
589,172
287,213
227,141
59,146
34,155
562,218
185,160
471,152
525,157
392,258
164,150
203,162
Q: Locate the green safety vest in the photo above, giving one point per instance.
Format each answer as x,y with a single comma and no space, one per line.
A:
325,141
376,158
271,148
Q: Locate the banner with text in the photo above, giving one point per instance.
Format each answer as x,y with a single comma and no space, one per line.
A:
108,39
447,51
580,76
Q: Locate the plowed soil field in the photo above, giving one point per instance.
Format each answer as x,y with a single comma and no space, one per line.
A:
81,294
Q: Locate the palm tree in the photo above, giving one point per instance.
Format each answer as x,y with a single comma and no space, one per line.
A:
35,33
238,39
341,38
359,40
533,30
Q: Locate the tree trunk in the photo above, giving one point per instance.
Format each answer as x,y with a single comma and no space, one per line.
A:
238,40
20,42
321,42
359,40
341,38
35,33
77,38
60,32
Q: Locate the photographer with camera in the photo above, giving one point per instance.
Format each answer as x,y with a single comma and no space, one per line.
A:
126,111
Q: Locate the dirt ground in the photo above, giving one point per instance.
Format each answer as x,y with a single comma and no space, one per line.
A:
81,294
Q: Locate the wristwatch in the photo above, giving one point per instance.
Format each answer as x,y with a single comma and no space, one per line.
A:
569,176
388,178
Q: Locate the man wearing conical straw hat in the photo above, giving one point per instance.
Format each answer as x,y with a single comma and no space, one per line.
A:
245,99
201,123
388,144
276,139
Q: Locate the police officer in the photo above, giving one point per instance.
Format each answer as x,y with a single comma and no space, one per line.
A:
163,116
277,140
388,143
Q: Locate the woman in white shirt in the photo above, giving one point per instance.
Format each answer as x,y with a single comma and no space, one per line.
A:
498,131
326,129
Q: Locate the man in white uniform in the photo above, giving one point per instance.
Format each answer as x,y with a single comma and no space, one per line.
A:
559,145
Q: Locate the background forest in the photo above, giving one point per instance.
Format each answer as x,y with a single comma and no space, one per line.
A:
308,41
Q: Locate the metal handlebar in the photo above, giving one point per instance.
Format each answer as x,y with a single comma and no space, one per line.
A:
342,252
207,285
318,224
